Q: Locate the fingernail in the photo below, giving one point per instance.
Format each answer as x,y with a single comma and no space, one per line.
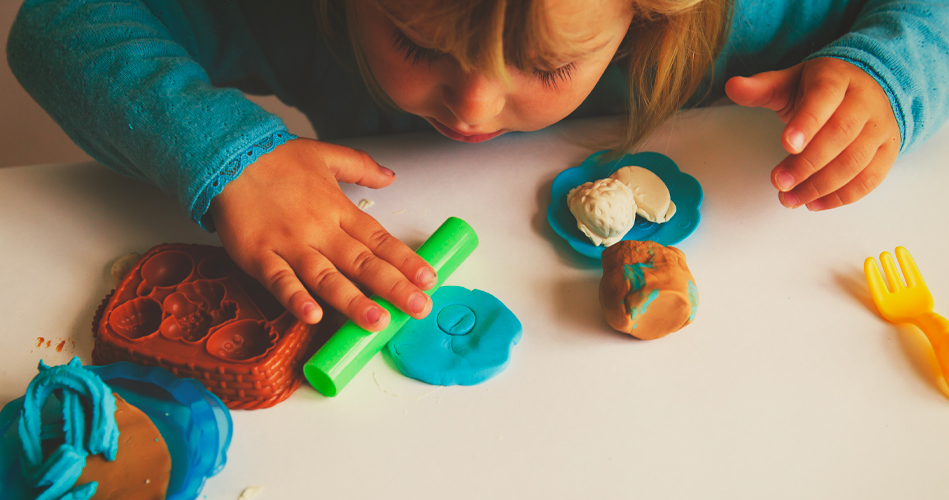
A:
791,200
417,303
308,309
387,171
784,179
426,277
815,206
373,314
796,140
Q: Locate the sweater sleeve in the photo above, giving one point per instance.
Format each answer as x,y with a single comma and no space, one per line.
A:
904,45
133,84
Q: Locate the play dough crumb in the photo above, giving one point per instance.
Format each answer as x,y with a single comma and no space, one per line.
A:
653,201
250,492
123,265
605,210
365,203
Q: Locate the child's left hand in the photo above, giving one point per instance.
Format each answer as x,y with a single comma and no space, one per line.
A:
841,132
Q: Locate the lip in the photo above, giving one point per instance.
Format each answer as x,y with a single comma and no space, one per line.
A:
453,134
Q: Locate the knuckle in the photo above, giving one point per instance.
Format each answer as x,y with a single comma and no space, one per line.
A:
362,262
379,238
843,129
280,281
803,164
322,278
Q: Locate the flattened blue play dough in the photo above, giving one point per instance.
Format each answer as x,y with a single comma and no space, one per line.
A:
685,191
466,339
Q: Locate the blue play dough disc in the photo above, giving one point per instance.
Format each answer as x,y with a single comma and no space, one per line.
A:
466,339
685,191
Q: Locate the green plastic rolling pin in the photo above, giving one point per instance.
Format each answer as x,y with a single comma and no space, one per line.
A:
350,348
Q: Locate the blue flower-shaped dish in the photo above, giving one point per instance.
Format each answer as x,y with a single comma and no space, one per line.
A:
685,191
465,340
195,424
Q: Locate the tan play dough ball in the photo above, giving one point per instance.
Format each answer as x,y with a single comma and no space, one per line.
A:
142,466
647,290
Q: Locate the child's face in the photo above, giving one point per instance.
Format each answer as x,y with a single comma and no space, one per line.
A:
472,107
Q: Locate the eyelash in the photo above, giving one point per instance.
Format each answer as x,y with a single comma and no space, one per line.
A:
416,54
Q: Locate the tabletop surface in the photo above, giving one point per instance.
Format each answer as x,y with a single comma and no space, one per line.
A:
787,385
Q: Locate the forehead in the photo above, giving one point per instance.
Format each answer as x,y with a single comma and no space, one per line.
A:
574,22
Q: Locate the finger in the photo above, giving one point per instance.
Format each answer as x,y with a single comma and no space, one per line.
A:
279,279
837,173
846,124
323,278
359,263
822,92
774,90
861,185
353,166
370,233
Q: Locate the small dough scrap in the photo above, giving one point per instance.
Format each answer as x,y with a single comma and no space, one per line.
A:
123,265
647,290
653,201
605,210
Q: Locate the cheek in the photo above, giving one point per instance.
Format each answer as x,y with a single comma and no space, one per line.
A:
409,86
537,106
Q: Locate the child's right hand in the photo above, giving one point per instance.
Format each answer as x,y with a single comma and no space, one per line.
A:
286,222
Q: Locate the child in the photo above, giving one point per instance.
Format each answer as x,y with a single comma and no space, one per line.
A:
149,88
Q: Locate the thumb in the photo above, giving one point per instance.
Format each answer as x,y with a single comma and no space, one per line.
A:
774,90
354,166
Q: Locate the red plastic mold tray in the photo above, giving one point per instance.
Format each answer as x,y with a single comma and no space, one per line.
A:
191,310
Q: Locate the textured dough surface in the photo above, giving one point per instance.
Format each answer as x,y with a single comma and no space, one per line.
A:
605,210
647,290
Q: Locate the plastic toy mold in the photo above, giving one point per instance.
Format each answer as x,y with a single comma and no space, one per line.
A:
195,424
685,191
191,310
465,340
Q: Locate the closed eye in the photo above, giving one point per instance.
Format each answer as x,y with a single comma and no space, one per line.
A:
414,53
550,78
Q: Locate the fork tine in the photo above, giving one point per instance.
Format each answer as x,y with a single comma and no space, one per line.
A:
875,280
908,265
889,269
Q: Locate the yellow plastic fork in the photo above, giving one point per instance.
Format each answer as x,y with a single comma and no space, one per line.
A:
911,303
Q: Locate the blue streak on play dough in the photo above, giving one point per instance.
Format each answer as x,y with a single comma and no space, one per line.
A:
79,390
466,339
693,300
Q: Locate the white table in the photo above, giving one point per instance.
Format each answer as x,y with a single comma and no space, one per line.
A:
787,385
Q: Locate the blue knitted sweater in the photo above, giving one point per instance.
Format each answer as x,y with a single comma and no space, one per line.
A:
152,88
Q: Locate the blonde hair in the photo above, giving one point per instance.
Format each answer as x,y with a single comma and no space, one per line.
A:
668,52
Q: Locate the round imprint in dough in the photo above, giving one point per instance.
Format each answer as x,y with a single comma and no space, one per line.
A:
466,339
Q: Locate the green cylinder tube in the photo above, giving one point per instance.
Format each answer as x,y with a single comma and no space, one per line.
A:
351,347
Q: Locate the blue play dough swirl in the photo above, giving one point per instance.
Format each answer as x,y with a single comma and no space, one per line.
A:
82,434
466,339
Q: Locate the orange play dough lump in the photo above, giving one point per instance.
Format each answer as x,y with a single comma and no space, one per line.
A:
142,466
647,290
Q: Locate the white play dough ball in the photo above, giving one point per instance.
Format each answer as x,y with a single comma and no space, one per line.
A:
605,210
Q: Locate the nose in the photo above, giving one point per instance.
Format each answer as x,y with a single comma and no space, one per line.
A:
474,98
